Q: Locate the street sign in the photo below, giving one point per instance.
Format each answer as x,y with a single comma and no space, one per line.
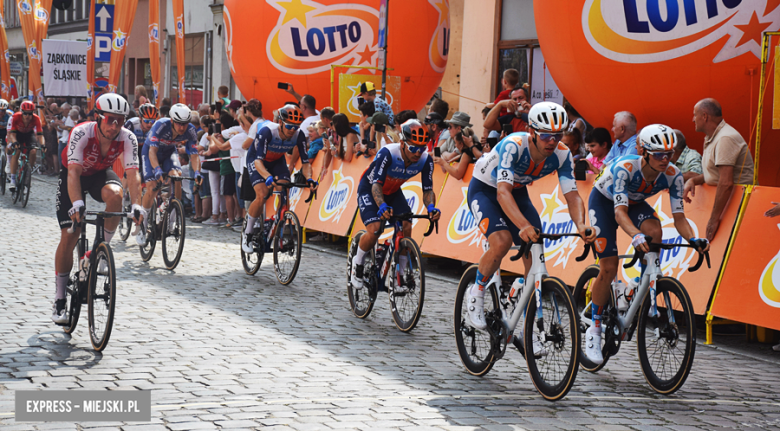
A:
104,27
16,68
382,23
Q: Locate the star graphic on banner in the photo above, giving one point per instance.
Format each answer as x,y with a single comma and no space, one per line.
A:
365,56
752,30
550,203
771,5
294,9
444,9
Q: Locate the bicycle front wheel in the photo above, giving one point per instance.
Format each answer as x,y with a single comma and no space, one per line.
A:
24,185
125,225
147,250
101,297
666,342
407,290
582,303
252,261
287,248
73,303
552,340
360,300
475,346
3,176
173,234
18,187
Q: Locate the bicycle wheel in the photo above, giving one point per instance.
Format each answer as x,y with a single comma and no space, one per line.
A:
173,234
18,188
101,297
554,368
406,304
582,306
126,224
666,343
287,248
360,300
475,346
2,170
24,185
73,303
252,261
147,250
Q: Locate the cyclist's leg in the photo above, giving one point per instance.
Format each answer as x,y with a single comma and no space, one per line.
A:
602,218
528,210
400,205
14,161
32,155
105,187
174,171
63,257
147,176
369,214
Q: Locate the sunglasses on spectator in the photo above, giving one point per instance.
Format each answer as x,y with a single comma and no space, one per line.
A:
290,126
660,156
549,136
149,121
27,113
417,149
112,119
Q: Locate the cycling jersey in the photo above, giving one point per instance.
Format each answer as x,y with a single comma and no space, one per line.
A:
389,169
6,118
623,183
17,124
269,147
510,162
84,149
134,125
160,136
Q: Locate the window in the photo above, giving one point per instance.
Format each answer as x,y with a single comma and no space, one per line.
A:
517,40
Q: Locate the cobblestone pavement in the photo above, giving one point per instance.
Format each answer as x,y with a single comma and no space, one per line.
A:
223,350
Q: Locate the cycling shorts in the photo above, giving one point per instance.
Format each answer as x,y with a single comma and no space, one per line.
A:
25,139
369,209
483,202
168,164
92,184
601,210
278,169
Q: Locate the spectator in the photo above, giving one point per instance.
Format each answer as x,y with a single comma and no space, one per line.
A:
449,150
439,106
576,121
326,115
436,128
186,185
509,81
239,162
51,139
140,96
686,159
598,142
316,131
195,120
467,145
624,131
573,140
368,93
233,108
167,102
344,139
726,160
164,110
311,115
406,114
203,198
518,107
379,123
204,110
222,95
65,125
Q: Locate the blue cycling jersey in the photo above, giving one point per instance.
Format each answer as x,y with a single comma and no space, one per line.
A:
269,147
623,183
389,169
161,137
510,162
6,118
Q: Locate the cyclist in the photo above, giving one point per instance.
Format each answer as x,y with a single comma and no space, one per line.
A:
498,194
160,156
618,199
266,163
5,118
92,149
20,134
140,125
379,191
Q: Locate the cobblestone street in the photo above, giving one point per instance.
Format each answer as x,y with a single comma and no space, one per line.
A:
223,350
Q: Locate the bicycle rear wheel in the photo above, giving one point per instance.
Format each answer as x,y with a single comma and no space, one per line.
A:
406,303
475,346
147,250
287,248
72,304
582,306
25,184
252,261
173,234
17,187
101,297
666,343
3,161
552,360
125,225
360,300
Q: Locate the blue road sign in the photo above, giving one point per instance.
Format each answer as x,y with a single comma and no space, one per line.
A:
382,23
104,28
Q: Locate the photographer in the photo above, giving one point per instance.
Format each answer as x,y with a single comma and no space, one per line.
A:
469,153
516,120
449,150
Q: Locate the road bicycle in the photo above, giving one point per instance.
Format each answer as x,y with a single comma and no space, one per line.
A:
23,178
94,282
166,224
549,327
3,162
383,273
125,226
281,233
661,312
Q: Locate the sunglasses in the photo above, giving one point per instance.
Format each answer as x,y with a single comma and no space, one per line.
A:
549,136
111,120
416,149
290,126
26,113
660,156
149,121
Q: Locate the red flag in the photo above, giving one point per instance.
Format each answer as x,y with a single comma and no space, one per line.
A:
5,64
178,19
30,33
124,13
91,58
154,48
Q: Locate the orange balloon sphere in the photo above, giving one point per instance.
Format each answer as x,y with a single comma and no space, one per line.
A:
297,41
657,58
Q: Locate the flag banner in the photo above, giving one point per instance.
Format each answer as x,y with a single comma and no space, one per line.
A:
178,18
64,67
124,13
90,78
5,59
154,49
30,33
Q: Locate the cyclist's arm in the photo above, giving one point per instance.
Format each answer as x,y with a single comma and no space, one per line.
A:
153,157
429,196
624,221
74,182
259,150
577,213
509,206
133,182
683,227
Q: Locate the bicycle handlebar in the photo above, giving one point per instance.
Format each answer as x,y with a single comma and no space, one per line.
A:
655,246
409,216
160,183
525,248
98,215
289,184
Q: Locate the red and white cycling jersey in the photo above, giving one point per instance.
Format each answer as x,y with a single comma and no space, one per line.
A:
84,149
16,124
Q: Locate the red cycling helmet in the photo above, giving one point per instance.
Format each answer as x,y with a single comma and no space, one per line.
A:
27,106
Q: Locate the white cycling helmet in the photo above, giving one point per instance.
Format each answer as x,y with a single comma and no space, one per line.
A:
112,103
180,113
3,104
548,117
657,137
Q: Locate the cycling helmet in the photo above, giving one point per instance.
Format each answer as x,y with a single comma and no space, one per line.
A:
149,112
657,137
112,103
180,113
3,104
27,106
414,133
291,114
548,117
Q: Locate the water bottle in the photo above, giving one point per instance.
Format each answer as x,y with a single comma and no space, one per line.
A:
517,288
618,290
628,294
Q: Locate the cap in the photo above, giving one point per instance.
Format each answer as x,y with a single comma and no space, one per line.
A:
434,118
378,118
460,119
234,105
366,87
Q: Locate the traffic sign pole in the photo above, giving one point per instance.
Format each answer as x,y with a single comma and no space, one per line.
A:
383,7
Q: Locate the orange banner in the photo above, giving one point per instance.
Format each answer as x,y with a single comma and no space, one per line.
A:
124,14
336,203
5,59
750,289
154,49
30,33
178,18
91,58
42,13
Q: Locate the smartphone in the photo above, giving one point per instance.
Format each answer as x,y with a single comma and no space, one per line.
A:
213,107
507,129
211,129
217,107
580,169
437,152
282,86
217,128
492,142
